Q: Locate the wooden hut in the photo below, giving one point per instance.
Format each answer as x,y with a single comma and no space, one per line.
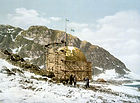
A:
66,61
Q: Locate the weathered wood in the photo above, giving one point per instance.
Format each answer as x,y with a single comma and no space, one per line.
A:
63,67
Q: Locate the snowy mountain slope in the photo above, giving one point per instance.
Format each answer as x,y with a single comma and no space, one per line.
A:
18,86
29,44
113,75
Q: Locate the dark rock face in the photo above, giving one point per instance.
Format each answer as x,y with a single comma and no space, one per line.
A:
29,44
7,36
103,59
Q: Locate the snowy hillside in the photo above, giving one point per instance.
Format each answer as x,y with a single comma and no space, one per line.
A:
113,75
29,44
18,86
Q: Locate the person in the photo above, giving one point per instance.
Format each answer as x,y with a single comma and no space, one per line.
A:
71,79
74,80
87,82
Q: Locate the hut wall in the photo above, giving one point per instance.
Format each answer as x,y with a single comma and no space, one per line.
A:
62,68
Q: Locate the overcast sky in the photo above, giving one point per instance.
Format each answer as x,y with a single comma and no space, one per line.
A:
111,24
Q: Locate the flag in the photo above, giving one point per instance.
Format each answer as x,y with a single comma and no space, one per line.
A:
67,20
72,30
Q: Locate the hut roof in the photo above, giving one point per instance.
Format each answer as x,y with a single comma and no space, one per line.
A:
73,53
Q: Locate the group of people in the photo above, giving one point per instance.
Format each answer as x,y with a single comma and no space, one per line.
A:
73,79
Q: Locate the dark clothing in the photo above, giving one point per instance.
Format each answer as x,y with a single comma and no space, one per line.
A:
74,80
74,84
71,79
87,83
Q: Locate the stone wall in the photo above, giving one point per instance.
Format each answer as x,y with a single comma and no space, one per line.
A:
56,62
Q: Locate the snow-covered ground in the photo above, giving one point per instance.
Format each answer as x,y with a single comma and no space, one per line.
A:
108,75
23,88
112,75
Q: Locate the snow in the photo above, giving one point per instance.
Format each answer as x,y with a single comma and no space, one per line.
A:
112,75
42,66
107,58
4,63
14,50
119,88
125,89
133,76
101,69
12,90
71,48
26,58
17,35
19,48
107,75
117,65
12,37
10,31
29,38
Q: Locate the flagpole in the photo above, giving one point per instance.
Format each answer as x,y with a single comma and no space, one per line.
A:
66,20
65,32
65,44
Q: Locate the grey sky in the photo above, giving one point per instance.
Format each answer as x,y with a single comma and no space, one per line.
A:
111,24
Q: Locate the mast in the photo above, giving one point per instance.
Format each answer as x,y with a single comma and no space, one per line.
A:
66,20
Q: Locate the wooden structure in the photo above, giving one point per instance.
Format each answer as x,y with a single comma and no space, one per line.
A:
65,60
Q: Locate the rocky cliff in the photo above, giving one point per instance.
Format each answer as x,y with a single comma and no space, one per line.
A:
29,44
